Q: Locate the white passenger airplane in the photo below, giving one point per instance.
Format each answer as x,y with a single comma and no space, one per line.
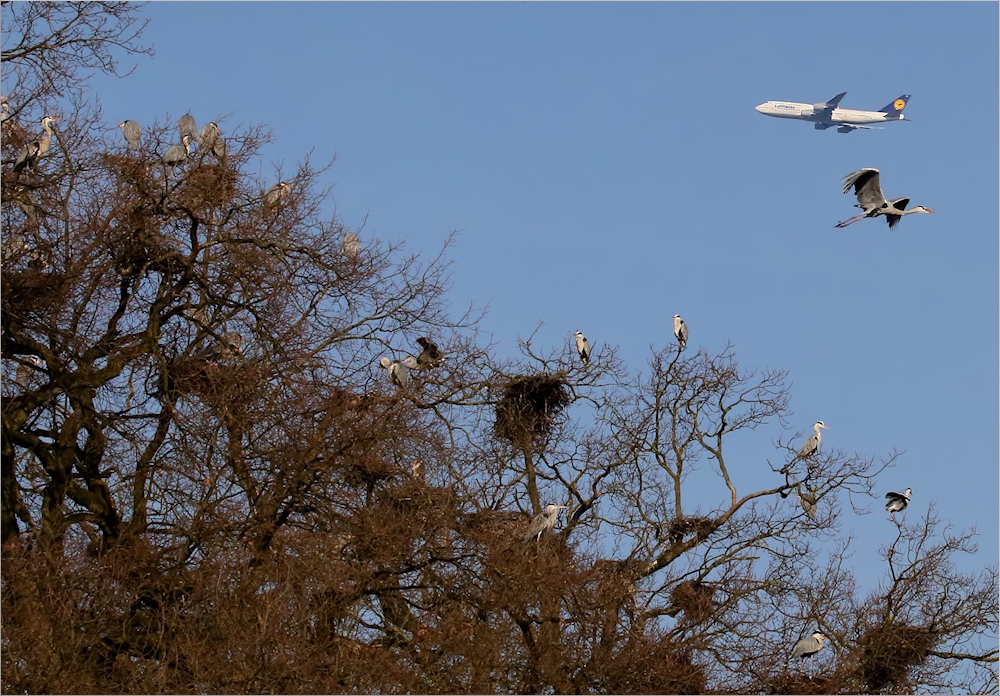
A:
829,114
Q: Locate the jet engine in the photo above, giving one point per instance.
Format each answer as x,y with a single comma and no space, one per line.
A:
821,126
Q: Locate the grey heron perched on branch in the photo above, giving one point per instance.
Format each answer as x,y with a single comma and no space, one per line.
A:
582,347
226,346
187,127
209,140
277,193
417,469
10,124
808,503
813,442
177,154
543,523
352,246
131,132
27,369
430,355
32,151
399,370
680,331
807,647
897,501
13,245
872,202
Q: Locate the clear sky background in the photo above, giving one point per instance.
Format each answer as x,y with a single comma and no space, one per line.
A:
607,170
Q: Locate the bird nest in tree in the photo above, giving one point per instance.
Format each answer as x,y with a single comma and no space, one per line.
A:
796,682
687,526
131,168
656,666
144,249
366,471
695,599
529,407
491,525
216,383
212,185
889,652
30,291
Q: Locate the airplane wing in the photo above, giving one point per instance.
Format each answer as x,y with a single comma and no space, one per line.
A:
824,109
845,127
832,104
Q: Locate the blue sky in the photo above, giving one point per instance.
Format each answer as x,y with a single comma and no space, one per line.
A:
607,170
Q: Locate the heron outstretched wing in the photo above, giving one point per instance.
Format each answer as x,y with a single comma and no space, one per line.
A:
866,187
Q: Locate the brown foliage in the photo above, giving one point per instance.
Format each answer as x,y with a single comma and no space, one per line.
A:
181,515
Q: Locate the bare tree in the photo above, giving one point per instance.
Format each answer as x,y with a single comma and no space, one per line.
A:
208,484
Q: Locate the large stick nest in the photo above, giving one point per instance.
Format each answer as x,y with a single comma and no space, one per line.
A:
686,526
530,404
30,291
695,599
889,652
797,682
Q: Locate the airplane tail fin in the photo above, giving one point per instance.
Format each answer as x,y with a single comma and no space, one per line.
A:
896,106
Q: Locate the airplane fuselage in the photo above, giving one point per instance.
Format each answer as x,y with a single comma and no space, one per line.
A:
808,112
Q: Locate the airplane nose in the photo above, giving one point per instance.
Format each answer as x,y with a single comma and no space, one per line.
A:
759,108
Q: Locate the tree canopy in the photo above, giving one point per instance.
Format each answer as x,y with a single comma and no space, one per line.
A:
211,483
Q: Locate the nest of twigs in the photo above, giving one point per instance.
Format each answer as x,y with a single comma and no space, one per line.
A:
217,382
529,407
653,666
493,525
144,249
695,599
796,682
688,526
889,652
30,291
212,185
132,168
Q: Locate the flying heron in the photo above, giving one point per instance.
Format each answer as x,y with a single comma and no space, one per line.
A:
430,356
872,202
897,501
31,152
680,331
582,347
131,131
543,523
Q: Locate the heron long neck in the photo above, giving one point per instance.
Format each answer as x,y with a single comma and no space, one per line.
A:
819,435
43,143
